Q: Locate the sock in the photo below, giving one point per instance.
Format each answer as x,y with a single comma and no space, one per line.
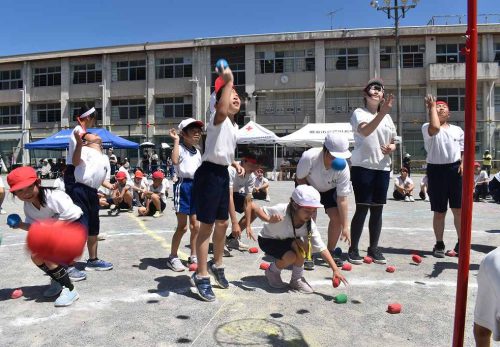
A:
440,244
61,275
297,272
274,268
45,269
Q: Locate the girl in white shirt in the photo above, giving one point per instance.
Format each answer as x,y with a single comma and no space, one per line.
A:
41,203
374,134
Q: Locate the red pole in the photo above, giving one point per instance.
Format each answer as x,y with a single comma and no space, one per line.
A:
468,173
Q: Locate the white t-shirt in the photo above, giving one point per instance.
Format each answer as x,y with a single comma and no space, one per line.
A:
367,152
58,206
487,311
238,183
446,146
482,176
160,190
2,185
72,144
143,184
189,162
93,169
129,179
259,182
284,229
312,167
59,184
221,141
398,181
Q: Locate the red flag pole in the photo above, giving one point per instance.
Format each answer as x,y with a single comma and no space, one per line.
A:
468,173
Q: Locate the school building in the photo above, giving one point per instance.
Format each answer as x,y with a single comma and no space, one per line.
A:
286,80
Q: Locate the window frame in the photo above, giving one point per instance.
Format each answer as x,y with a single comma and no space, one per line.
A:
46,76
177,104
180,67
52,113
85,72
133,107
347,58
129,70
11,82
11,115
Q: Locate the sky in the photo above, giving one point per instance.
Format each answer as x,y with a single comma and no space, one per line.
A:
30,26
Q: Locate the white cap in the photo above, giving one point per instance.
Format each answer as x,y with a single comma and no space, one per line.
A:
338,145
306,196
189,121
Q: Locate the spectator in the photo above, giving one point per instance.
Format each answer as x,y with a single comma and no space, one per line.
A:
407,163
139,187
126,164
156,199
403,187
261,186
494,187
423,189
480,183
154,161
487,161
121,194
112,161
145,162
45,169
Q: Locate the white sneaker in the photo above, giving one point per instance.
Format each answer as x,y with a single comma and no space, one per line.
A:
427,198
268,198
407,198
2,211
157,214
175,264
412,199
66,298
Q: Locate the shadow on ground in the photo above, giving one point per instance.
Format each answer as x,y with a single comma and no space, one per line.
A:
440,266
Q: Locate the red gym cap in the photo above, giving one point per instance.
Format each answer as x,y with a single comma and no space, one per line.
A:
120,175
21,177
476,164
219,83
441,102
138,174
158,174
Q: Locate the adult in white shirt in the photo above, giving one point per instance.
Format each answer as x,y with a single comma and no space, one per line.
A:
403,186
374,134
480,182
315,168
444,144
487,311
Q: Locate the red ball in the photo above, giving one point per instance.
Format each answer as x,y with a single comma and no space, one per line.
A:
390,268
16,294
335,282
264,266
415,252
253,250
193,267
394,308
367,260
347,267
416,259
57,241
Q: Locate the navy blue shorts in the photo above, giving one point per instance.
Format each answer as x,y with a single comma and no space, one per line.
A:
183,196
86,198
275,247
370,186
445,186
239,202
69,179
329,198
211,192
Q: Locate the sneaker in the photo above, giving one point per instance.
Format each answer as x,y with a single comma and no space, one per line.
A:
54,289
336,258
353,256
412,199
427,198
308,264
301,285
66,298
131,210
203,287
218,274
193,259
157,214
2,211
112,209
274,279
268,198
407,199
76,275
437,251
175,264
227,252
376,255
98,265
234,243
101,236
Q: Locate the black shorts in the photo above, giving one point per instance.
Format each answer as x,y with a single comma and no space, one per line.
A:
239,202
329,198
260,195
86,198
399,196
69,179
370,186
275,247
211,192
152,207
445,186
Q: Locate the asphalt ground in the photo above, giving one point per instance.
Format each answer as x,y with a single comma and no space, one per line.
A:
142,303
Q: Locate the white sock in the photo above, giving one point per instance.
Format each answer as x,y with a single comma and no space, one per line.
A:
297,272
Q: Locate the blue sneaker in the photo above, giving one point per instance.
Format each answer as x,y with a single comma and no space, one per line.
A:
218,273
98,265
76,275
203,287
66,298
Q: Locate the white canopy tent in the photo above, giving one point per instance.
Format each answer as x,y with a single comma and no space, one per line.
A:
254,133
313,134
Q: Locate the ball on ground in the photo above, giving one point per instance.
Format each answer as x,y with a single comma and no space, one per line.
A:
347,267
16,294
391,268
416,259
193,267
253,250
367,260
394,308
264,266
340,298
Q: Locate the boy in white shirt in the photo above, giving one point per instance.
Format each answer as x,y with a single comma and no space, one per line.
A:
139,187
403,186
156,200
480,183
288,233
261,187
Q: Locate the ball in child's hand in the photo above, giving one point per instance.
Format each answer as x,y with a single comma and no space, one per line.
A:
336,282
13,220
221,65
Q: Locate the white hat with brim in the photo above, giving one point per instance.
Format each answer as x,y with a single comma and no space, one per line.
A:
306,196
338,145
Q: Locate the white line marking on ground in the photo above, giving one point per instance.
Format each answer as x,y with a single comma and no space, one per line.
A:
381,283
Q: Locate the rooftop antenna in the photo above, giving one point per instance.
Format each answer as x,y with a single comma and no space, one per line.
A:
331,14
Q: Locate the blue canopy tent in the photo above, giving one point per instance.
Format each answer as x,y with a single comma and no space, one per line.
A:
60,140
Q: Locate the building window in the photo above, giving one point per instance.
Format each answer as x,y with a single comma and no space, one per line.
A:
174,67
128,109
342,102
47,76
76,106
412,102
387,57
46,113
133,70
411,56
11,79
174,107
299,103
450,53
285,61
10,115
87,73
346,59
497,100
497,53
455,97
